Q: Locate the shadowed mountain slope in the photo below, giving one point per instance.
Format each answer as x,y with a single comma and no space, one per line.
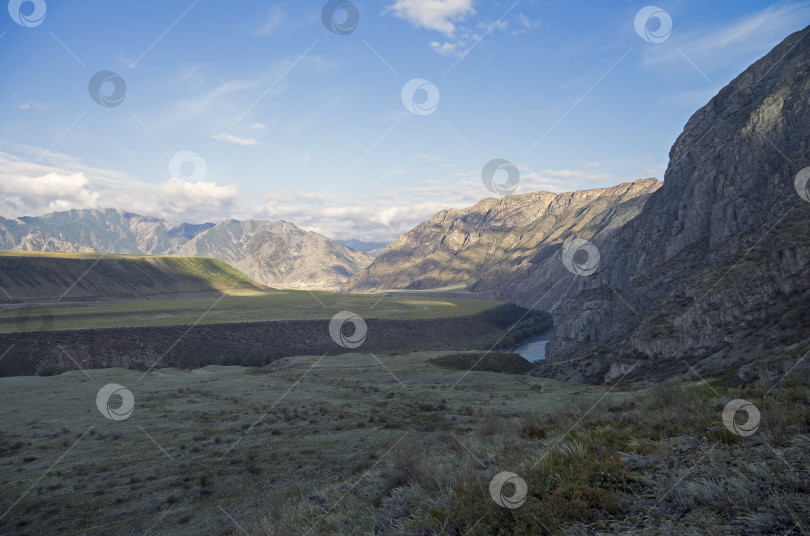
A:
714,273
47,277
505,247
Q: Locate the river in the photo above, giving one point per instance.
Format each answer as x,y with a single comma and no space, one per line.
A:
533,349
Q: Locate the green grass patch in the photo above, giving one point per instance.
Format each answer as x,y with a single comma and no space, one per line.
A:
260,306
485,361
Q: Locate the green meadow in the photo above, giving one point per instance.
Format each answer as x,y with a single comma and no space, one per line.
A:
259,306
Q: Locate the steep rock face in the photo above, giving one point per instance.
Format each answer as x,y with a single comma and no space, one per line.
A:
272,253
713,273
504,247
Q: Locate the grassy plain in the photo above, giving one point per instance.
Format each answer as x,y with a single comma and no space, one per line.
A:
358,444
231,440
260,306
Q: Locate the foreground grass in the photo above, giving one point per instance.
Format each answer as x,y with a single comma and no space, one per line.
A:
227,439
657,462
363,444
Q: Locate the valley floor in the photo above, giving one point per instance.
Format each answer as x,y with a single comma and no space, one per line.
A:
263,306
358,444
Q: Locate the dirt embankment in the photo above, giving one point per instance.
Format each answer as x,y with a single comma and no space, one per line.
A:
248,343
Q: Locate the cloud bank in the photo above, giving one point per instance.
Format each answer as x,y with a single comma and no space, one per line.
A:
30,188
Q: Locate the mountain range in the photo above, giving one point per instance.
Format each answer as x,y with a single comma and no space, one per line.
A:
276,254
372,248
505,247
705,273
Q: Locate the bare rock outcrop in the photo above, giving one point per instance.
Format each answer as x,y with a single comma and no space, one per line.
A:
507,247
712,277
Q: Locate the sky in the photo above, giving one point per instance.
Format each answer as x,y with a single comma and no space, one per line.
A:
353,119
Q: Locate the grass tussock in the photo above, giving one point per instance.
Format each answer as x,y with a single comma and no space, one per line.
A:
658,461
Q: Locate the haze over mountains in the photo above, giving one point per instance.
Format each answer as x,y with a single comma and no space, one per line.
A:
372,248
271,253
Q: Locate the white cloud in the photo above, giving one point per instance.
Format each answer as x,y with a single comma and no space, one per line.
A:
389,213
438,15
528,23
464,38
447,48
44,193
177,200
196,99
350,217
498,25
230,138
525,24
275,16
61,183
34,105
563,174
223,102
741,39
444,16
258,126
30,189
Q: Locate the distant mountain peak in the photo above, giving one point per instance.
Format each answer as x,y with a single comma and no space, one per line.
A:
273,253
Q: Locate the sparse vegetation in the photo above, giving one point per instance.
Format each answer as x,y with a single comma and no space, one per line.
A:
351,446
655,462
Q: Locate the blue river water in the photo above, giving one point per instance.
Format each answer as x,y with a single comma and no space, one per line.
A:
533,350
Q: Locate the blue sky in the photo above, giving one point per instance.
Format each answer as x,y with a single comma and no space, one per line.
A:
289,120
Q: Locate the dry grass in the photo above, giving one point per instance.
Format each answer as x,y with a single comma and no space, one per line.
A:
346,445
656,462
231,437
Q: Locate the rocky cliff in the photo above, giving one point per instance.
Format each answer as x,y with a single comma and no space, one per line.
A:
712,277
246,343
505,247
